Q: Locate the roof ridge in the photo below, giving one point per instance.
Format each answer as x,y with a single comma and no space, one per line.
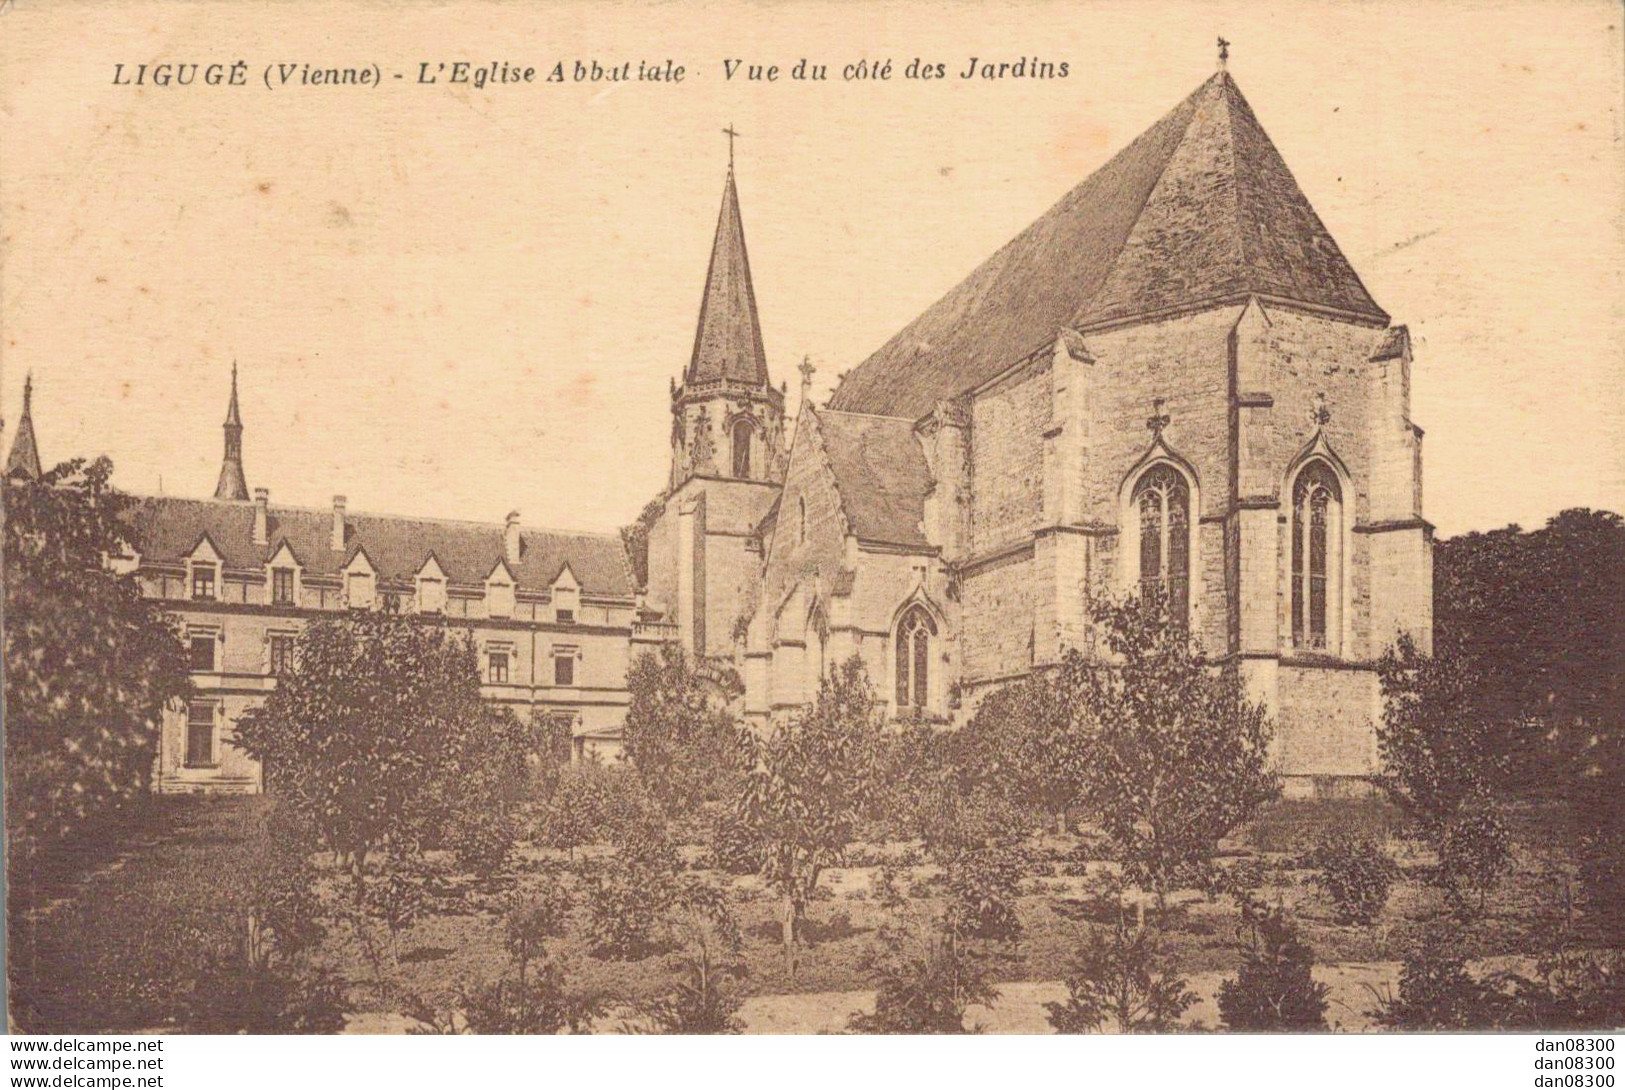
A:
438,520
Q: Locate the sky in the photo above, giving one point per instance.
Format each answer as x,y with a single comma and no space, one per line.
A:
457,302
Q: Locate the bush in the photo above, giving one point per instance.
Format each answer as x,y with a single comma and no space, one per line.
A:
706,999
1120,976
534,917
1474,853
237,994
1356,874
627,904
1273,990
983,887
535,1004
926,979
1436,992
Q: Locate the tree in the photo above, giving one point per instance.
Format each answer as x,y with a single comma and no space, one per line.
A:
706,999
379,740
1023,739
1440,762
1176,754
636,537
678,733
926,979
806,784
90,665
1120,977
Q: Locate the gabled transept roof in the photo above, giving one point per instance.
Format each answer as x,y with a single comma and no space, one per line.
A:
1200,209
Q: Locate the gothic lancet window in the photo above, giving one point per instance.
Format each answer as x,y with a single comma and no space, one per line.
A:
915,631
1317,527
1162,503
742,432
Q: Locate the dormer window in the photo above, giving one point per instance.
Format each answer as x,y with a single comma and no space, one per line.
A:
358,589
282,586
499,593
431,595
566,597
203,582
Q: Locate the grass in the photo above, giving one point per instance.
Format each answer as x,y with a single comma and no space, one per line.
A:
108,942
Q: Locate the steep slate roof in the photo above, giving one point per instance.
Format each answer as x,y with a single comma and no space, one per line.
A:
881,475
24,457
1199,209
167,529
728,342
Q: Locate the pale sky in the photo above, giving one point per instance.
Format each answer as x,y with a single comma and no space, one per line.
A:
455,302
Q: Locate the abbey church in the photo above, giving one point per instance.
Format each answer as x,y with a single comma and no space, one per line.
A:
1172,380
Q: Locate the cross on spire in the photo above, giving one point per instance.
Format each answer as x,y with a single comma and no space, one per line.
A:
1224,52
730,132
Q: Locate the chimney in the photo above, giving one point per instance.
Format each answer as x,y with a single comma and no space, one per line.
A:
262,529
338,524
510,539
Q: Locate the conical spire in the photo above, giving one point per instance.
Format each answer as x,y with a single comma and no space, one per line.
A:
232,485
728,342
24,459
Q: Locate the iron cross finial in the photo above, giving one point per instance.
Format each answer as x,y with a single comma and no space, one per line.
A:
1158,419
730,132
1224,51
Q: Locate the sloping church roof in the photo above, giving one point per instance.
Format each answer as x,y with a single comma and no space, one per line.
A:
1199,209
728,341
880,474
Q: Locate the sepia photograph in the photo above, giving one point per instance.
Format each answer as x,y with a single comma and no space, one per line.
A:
813,518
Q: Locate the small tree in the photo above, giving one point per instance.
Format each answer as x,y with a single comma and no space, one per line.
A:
1120,977
927,976
1176,754
679,734
805,787
379,739
1023,740
577,813
706,999
1439,761
1273,990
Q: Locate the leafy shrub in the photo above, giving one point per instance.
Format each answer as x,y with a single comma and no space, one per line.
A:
926,979
398,900
1436,992
886,887
538,1003
533,917
1572,990
237,994
1273,990
627,901
982,887
1356,875
1120,976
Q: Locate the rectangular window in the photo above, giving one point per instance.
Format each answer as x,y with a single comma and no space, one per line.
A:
199,735
565,616
359,586
282,586
564,668
201,652
281,654
498,673
203,582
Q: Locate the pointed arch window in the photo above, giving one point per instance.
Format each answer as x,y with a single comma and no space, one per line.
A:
742,432
916,632
1317,537
1162,504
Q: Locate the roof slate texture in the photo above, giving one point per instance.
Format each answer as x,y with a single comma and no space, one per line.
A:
728,340
169,528
1199,208
881,475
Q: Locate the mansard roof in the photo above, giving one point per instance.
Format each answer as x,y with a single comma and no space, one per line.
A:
728,340
1198,210
166,528
880,474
